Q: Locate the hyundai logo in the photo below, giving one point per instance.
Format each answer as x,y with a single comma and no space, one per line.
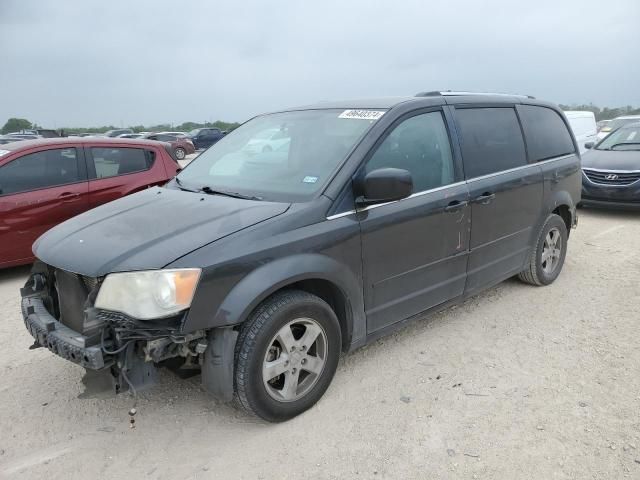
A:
611,176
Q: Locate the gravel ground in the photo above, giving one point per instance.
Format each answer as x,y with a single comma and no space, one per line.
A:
518,382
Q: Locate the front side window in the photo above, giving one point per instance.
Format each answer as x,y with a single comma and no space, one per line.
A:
111,162
626,138
49,168
491,140
546,133
311,145
421,146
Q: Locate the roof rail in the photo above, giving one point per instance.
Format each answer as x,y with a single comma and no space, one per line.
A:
449,93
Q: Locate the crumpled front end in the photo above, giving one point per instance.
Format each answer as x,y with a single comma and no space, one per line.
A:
59,312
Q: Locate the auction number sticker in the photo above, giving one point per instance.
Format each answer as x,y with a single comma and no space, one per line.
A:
361,114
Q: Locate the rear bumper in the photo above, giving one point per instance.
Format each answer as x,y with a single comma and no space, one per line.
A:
60,339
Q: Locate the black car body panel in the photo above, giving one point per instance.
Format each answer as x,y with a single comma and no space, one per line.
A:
377,265
147,230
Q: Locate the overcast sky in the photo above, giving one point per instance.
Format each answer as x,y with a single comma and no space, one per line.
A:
130,62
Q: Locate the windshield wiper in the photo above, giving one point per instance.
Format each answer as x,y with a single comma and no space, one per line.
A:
182,187
210,191
612,147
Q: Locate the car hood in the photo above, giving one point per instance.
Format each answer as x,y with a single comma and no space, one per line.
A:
612,159
147,230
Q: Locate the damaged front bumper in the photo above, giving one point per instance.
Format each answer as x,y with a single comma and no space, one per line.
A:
58,311
60,339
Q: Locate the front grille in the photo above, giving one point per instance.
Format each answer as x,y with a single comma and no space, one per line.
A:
612,178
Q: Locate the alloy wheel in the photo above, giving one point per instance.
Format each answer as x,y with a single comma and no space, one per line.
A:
294,360
551,251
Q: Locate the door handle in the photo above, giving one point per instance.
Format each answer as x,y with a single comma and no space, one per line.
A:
485,198
455,206
68,196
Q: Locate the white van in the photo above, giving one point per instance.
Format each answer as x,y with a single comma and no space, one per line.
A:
583,124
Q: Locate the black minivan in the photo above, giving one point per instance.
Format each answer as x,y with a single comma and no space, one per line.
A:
262,267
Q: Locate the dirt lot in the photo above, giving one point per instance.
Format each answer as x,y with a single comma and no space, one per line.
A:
519,382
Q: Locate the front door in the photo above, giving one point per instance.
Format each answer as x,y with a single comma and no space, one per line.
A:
414,251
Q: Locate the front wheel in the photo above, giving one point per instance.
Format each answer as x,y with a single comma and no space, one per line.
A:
547,257
286,355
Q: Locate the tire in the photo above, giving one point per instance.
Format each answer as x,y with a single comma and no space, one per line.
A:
539,271
180,153
264,349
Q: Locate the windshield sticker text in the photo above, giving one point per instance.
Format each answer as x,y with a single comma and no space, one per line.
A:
309,179
361,114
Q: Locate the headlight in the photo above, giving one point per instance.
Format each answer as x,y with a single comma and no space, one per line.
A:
149,294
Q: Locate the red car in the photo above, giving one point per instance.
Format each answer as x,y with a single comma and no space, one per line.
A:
180,145
45,182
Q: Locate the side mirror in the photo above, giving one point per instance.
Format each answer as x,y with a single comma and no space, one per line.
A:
589,145
385,185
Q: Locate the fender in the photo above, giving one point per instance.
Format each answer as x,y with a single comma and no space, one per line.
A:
271,277
561,197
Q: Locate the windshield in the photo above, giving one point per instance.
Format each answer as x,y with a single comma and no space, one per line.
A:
279,157
626,138
618,122
194,132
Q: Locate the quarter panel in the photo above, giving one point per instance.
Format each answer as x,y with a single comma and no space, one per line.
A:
562,184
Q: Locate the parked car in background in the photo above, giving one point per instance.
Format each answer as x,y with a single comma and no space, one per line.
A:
611,170
583,124
177,134
267,141
23,136
131,135
181,146
382,211
602,123
116,132
6,139
617,123
205,137
46,133
44,182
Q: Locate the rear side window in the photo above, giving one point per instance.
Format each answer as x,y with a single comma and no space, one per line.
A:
491,140
111,162
546,133
49,168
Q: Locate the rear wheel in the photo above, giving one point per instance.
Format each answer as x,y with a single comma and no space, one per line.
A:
547,258
286,355
180,153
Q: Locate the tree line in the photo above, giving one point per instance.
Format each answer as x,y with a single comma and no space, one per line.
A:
17,124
